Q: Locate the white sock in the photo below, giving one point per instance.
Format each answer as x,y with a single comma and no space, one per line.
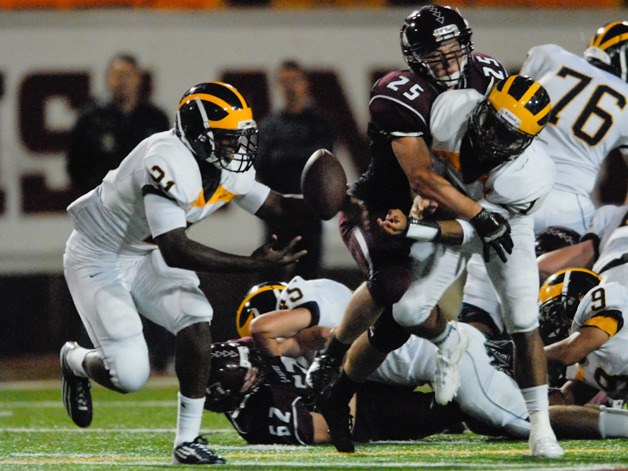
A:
448,338
537,403
75,359
613,423
189,416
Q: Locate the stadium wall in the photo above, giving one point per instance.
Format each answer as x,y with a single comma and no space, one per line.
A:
52,61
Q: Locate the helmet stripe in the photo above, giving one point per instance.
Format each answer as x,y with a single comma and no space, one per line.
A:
612,41
203,112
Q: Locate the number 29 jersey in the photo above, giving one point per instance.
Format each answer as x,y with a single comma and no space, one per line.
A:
589,114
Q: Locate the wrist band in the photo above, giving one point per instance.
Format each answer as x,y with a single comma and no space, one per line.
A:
422,230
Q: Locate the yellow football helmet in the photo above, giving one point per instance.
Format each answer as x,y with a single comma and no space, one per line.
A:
259,299
608,49
216,124
559,297
503,125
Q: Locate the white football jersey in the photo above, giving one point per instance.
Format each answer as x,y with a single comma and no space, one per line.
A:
518,185
589,114
610,227
606,368
114,215
326,299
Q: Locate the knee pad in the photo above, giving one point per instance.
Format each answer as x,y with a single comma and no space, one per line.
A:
128,364
386,335
411,313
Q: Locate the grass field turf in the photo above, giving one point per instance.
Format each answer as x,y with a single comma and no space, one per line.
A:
135,432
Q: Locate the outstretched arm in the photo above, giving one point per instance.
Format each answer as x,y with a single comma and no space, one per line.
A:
182,252
285,208
273,331
414,157
577,346
580,255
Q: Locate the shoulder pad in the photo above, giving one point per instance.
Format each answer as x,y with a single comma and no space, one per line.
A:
451,111
173,171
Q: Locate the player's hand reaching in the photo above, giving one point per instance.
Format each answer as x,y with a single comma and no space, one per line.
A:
422,206
272,256
494,230
395,223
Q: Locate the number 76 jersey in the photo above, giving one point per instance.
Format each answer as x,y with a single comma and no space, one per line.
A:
604,307
589,114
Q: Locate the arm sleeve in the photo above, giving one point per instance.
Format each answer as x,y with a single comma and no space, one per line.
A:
253,199
162,214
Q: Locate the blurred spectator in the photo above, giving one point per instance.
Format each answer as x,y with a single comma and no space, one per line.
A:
287,138
104,133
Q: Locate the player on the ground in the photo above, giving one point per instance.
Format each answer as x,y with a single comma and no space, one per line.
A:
604,250
129,255
589,119
583,320
264,396
436,44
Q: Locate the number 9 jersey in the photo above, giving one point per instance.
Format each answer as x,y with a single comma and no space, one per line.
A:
606,368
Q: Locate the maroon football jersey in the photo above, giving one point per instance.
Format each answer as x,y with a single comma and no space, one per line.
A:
276,413
400,105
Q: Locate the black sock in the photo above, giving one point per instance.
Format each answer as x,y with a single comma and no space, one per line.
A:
345,388
337,349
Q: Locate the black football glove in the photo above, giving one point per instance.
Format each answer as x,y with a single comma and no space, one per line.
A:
494,230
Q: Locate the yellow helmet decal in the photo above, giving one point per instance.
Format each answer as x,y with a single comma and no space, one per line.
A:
516,110
600,38
243,324
237,111
557,283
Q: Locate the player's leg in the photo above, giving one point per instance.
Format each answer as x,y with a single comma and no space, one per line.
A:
581,422
480,304
171,297
516,282
364,356
119,360
386,264
417,312
489,397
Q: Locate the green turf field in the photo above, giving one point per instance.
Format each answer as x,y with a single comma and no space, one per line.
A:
136,431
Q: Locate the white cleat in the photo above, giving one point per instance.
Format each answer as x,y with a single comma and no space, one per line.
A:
546,447
447,374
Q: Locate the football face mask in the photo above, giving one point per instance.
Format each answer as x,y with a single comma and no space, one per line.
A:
234,151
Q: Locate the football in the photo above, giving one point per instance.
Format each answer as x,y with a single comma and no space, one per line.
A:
324,184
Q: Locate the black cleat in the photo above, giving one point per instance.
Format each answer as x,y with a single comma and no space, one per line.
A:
196,452
322,374
340,422
76,394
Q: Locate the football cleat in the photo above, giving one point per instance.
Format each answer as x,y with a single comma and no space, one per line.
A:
546,447
447,374
340,422
322,374
76,394
195,452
